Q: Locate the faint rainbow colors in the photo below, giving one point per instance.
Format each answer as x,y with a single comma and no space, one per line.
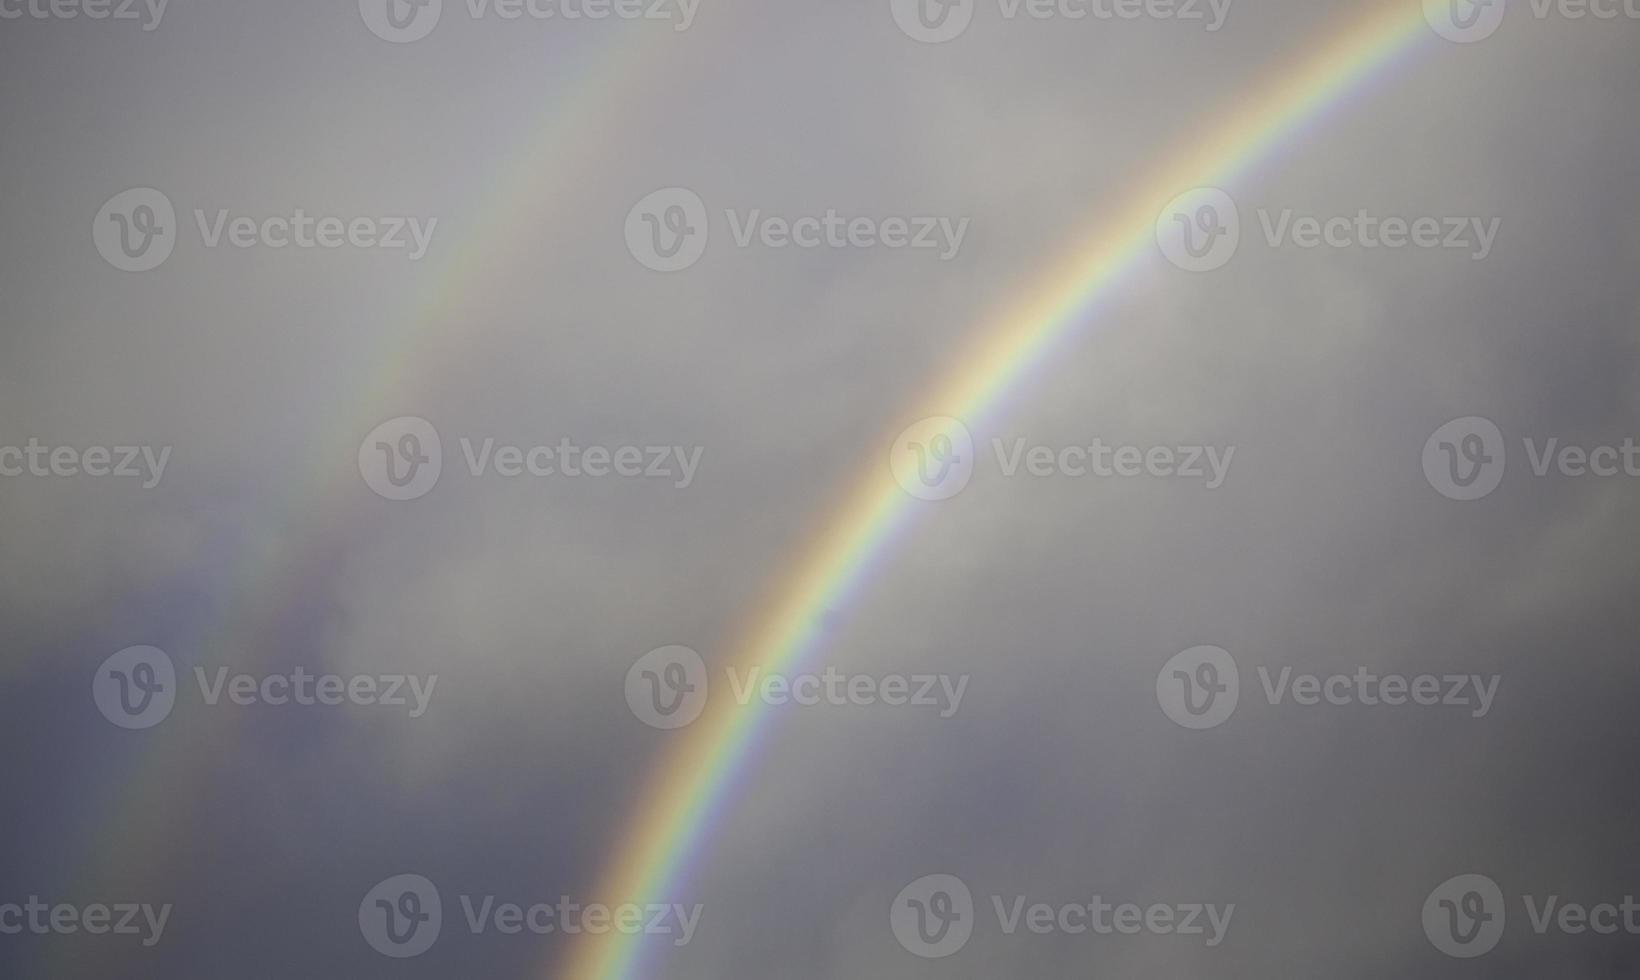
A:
697,777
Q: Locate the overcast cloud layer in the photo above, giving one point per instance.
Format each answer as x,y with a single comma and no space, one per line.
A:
1330,542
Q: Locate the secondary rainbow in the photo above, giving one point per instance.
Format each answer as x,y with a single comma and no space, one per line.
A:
147,800
697,777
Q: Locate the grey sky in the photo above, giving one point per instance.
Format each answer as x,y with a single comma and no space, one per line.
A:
1060,777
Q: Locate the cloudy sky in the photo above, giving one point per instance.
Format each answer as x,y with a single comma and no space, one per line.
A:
1350,530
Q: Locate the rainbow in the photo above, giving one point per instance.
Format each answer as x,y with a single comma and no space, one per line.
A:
696,779
607,78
